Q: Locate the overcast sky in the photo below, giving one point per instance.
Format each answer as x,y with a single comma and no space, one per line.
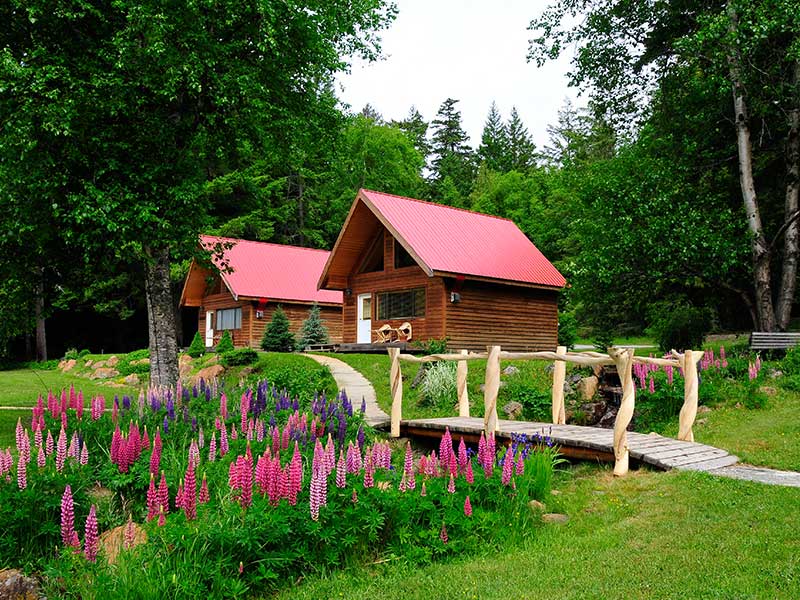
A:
471,50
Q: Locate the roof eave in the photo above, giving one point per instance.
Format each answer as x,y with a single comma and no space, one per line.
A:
539,286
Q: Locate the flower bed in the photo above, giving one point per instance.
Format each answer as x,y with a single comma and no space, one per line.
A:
224,498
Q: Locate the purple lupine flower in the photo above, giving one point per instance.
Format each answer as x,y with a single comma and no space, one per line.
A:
360,437
90,540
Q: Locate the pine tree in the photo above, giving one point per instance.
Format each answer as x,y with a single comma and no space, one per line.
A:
416,128
521,154
197,348
225,343
494,141
277,337
452,156
372,114
313,330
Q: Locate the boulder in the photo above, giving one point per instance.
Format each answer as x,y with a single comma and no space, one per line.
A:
112,542
209,373
142,361
112,361
183,360
607,420
14,585
574,378
536,506
132,379
88,363
554,518
510,370
587,387
702,409
98,364
768,390
104,373
594,411
513,410
66,365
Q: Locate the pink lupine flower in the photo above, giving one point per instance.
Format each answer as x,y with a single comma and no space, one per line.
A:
470,477
408,469
19,435
354,497
179,496
37,436
285,438
223,406
520,469
262,473
330,456
163,494
194,453
68,535
670,373
161,518
319,491
84,458
41,458
402,487
155,456
445,447
652,384
259,431
91,543
482,450
129,534
451,485
462,456
369,478
276,440
201,439
295,475
246,481
234,432
223,440
423,492
212,447
341,471
443,534
244,406
203,497
467,507
508,467
72,449
152,499
49,444
61,450
22,473
190,494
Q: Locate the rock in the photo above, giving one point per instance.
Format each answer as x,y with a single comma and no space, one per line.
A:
568,391
554,518
607,420
483,386
66,365
597,370
112,541
112,361
88,363
549,368
184,359
209,373
513,410
98,364
574,378
141,361
555,492
703,409
536,506
184,369
775,373
132,379
104,373
769,391
593,411
702,421
14,585
510,370
587,387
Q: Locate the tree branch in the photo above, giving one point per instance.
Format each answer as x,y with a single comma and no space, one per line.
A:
792,218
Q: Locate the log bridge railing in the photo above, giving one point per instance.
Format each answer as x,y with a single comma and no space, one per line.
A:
623,358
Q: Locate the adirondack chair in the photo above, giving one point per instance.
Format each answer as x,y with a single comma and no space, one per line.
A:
385,333
404,331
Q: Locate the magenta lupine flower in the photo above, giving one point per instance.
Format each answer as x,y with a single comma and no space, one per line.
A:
262,473
276,440
163,494
423,492
445,447
223,406
79,406
482,450
508,467
369,475
91,543
330,456
190,494
41,458
295,475
467,507
161,518
152,499
652,383
212,447
234,432
223,440
451,485
670,373
61,450
462,456
22,473
341,471
246,481
73,399
443,534
520,468
155,457
49,444
116,437
145,445
408,469
179,496
285,438
68,535
469,475
128,534
84,458
203,497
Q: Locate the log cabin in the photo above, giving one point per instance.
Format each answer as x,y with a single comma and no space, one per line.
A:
474,279
250,281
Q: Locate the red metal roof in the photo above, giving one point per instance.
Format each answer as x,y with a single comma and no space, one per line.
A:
273,271
453,240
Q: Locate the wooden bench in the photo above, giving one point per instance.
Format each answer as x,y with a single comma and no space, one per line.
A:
766,340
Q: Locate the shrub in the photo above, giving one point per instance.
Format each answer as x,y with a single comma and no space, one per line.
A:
602,339
125,365
791,383
239,357
439,386
790,365
567,330
432,346
71,354
678,326
225,343
313,330
197,348
537,404
299,376
44,365
277,337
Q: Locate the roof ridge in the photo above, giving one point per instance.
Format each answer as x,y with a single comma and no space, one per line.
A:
458,208
223,237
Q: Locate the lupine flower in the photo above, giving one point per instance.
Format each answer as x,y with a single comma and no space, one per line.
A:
245,472
49,444
462,456
41,458
68,535
508,467
354,497
129,534
22,473
90,541
61,450
443,534
470,477
212,447
341,471
155,457
295,475
467,507
652,388
161,518
451,486
223,440
408,469
319,491
369,479
204,496
84,458
152,499
163,494
190,493
520,468
423,492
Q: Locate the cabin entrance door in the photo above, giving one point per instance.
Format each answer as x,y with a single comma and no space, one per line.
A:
209,328
364,323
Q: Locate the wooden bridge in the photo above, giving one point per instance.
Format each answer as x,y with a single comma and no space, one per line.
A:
618,444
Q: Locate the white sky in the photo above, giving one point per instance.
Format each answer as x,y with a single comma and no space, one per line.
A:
471,50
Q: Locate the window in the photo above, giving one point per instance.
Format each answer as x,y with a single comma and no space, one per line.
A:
401,257
230,318
407,304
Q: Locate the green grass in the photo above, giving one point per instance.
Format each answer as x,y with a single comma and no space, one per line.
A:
21,387
8,423
649,535
634,340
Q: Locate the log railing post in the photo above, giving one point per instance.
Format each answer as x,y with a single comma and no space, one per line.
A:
491,389
559,374
396,385
690,388
461,386
623,359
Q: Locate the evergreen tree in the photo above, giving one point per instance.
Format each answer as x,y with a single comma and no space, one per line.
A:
225,343
494,141
313,331
372,114
197,348
416,128
521,154
277,337
452,156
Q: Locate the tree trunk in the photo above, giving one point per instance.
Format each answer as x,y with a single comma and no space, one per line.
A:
791,240
38,307
161,318
761,250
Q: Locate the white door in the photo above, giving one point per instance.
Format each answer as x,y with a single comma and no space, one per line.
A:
364,324
209,329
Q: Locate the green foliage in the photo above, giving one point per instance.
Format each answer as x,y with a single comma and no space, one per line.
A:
567,330
432,345
299,375
198,347
453,161
439,385
313,330
225,343
277,337
790,365
125,365
678,325
239,357
603,339
44,365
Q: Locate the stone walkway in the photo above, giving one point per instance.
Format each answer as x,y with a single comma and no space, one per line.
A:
759,474
356,386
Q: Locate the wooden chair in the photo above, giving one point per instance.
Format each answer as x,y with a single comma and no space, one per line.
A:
405,331
384,333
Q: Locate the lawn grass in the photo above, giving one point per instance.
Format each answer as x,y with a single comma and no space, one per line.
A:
8,423
648,535
21,387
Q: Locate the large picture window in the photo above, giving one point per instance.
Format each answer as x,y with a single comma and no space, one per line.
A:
229,318
407,304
